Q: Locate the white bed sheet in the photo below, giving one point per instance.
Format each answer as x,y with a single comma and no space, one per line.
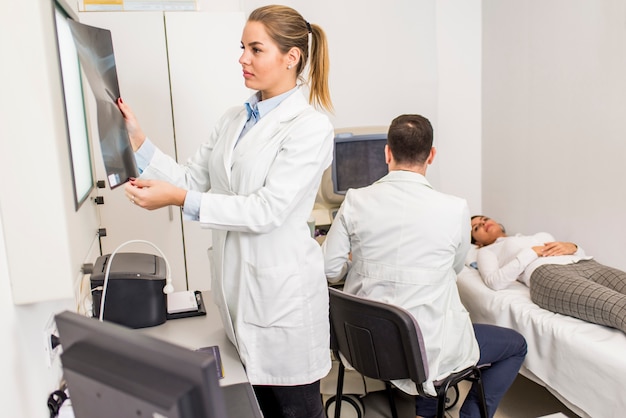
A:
582,364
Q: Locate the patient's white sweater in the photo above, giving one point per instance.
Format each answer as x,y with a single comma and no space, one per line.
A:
512,258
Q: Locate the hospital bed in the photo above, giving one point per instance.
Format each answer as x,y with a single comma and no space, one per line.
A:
580,363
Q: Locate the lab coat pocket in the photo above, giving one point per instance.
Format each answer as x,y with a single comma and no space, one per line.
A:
275,298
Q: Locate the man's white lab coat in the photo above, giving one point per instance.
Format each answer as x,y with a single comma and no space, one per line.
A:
407,243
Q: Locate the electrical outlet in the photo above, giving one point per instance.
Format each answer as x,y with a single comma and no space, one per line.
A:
50,342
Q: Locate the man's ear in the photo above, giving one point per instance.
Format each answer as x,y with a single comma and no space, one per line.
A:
431,155
388,155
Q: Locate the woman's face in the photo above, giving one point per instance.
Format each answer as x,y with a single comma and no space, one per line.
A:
485,230
264,65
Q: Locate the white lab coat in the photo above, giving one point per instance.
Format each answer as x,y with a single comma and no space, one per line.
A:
407,242
267,272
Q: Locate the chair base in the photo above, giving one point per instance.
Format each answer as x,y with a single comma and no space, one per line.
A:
351,406
443,388
452,397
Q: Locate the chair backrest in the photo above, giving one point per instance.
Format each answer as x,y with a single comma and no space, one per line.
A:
379,340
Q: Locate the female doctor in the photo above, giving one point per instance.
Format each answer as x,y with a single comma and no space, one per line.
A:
253,183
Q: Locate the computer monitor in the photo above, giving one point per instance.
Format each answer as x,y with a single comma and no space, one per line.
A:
359,160
114,371
78,136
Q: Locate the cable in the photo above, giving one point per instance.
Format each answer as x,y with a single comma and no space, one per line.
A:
167,289
365,392
55,401
80,288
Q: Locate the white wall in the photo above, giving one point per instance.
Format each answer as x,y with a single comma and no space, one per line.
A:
43,240
404,60
407,56
459,131
554,100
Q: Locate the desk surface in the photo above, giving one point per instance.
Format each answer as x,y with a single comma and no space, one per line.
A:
204,331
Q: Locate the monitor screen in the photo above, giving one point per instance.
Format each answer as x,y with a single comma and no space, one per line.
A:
359,160
75,112
114,371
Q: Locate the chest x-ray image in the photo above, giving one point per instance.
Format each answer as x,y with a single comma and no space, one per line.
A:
95,52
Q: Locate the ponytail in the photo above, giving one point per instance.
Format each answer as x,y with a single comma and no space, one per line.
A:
289,29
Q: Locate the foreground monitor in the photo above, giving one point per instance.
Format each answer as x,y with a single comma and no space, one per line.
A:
358,161
114,371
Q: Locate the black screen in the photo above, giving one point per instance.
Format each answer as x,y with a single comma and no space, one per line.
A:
359,161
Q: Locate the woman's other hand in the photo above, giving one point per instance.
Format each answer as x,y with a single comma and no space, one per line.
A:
154,194
556,248
538,250
135,133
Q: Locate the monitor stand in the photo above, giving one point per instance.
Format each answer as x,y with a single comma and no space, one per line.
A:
234,396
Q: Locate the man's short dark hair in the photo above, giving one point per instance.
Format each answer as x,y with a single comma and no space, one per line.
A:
410,139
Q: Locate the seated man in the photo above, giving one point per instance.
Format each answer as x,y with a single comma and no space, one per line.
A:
402,242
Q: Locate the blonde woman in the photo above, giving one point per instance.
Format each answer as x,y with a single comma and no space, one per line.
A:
253,183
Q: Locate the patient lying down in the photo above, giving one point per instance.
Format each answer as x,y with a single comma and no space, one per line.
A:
560,276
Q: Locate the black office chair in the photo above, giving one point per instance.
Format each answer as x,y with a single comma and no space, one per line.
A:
384,342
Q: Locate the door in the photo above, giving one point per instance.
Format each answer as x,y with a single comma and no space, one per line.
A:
142,68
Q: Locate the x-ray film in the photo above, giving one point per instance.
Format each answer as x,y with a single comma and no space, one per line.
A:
95,52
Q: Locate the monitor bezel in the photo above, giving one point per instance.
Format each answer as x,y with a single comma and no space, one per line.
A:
78,333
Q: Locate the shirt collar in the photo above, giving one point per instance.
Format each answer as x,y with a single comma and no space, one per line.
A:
254,106
403,175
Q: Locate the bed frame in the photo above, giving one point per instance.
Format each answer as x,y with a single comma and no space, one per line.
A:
581,364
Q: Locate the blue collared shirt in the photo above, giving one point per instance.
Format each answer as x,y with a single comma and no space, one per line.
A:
256,111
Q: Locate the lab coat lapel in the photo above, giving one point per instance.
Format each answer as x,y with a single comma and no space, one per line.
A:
232,135
266,129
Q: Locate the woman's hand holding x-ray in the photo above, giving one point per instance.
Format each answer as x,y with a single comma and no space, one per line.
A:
135,133
154,194
148,194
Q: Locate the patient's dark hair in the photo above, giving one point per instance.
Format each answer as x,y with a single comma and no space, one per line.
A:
472,232
481,216
410,138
